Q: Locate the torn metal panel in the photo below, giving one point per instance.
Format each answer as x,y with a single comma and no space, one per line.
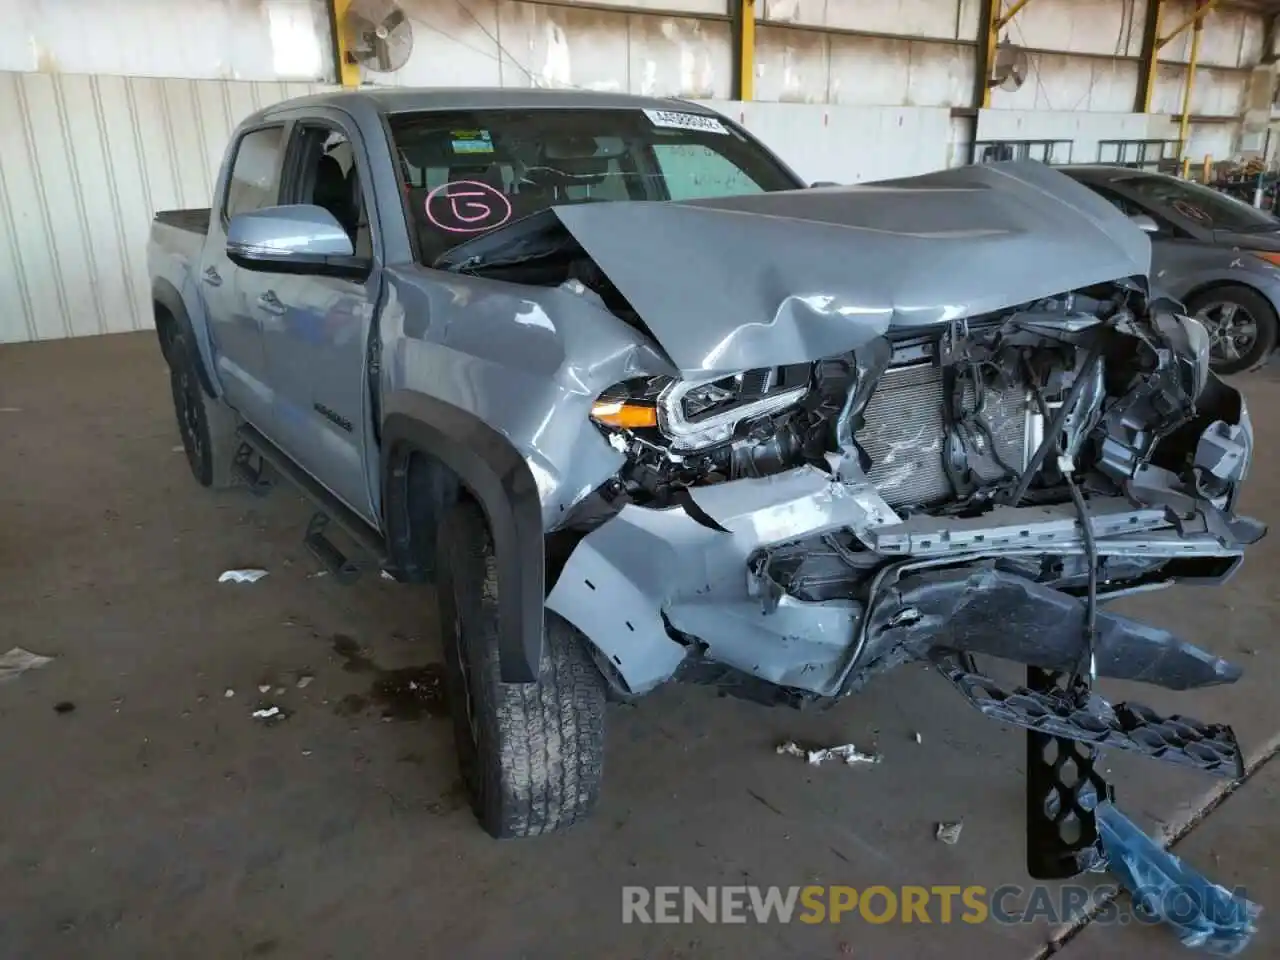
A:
645,566
615,583
795,644
980,609
792,505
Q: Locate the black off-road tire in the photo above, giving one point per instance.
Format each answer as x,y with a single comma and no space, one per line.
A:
531,755
207,426
1257,308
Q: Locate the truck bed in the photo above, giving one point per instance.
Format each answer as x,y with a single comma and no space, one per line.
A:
194,220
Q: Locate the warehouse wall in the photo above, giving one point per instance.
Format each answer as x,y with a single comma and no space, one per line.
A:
111,111
193,39
84,163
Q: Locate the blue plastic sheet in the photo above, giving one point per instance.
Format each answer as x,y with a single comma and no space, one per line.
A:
1205,915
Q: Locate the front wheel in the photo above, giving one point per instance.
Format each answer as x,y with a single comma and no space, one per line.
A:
531,755
1242,327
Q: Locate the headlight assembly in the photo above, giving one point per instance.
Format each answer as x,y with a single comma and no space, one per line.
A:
695,414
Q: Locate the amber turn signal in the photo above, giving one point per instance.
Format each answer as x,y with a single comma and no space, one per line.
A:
1267,256
628,416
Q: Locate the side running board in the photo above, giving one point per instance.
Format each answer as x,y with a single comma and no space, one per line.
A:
329,509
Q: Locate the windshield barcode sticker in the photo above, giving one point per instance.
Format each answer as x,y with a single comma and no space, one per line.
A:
675,120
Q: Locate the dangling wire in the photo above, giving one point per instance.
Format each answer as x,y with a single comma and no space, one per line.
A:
1090,545
1091,601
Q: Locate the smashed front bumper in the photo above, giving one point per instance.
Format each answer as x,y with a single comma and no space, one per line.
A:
651,588
655,589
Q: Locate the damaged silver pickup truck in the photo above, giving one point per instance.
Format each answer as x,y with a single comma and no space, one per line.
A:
726,429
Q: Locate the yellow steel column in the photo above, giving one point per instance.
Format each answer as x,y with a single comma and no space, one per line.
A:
1150,57
1196,29
348,74
987,49
744,54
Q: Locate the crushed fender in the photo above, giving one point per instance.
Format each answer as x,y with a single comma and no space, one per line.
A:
1204,915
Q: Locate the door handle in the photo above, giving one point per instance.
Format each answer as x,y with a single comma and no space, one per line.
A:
212,277
271,303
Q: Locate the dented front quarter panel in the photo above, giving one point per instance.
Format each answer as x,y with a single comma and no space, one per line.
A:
526,361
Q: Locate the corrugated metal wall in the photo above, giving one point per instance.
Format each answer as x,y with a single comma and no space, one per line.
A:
84,162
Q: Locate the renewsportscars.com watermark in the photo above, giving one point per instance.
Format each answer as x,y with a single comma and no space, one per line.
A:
1009,904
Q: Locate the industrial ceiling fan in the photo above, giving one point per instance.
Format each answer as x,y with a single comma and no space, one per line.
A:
380,35
1011,67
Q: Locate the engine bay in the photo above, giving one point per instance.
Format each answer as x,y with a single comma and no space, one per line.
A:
992,410
1078,442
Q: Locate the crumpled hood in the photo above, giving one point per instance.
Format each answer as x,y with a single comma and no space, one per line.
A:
740,282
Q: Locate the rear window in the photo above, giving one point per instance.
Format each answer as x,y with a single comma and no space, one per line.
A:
467,173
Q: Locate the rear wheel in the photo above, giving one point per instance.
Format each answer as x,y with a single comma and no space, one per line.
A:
1242,327
531,755
207,426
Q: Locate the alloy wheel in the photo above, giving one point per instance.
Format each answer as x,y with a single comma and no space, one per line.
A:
1233,331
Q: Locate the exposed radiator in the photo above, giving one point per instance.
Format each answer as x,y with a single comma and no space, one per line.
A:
903,434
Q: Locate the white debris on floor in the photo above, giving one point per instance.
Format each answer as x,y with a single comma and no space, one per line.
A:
229,693
18,661
847,752
919,739
949,833
241,576
268,713
304,681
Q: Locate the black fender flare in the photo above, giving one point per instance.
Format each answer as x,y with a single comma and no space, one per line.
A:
166,295
498,477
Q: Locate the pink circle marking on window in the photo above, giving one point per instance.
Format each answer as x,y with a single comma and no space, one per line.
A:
472,207
1189,210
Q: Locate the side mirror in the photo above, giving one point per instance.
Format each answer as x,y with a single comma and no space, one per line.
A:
823,183
1145,223
298,238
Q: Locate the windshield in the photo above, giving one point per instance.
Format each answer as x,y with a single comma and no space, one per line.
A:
1203,205
470,172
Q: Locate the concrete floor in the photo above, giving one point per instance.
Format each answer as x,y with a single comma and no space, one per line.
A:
158,819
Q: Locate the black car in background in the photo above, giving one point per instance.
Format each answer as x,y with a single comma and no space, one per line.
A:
1218,255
